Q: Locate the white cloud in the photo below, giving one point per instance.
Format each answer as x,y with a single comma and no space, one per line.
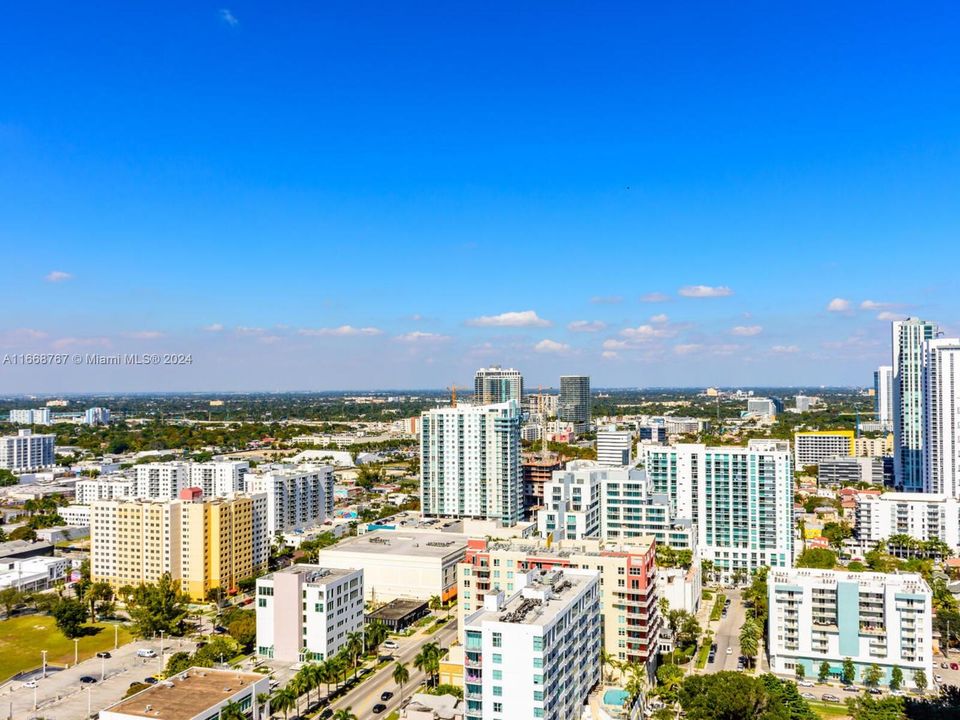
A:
522,318
705,291
67,342
586,326
615,345
57,276
418,336
214,327
609,355
660,319
654,297
686,349
838,305
647,332
874,305
746,330
228,17
145,335
244,330
889,316
784,349
606,299
342,331
551,346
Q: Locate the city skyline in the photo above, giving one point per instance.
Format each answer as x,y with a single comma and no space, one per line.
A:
290,196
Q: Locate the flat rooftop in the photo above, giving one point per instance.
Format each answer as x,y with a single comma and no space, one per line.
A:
315,574
184,699
540,602
395,542
397,609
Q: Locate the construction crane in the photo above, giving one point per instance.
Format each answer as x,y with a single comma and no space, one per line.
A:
453,395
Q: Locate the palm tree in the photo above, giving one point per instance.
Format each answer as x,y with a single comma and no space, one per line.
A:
400,675
428,661
283,700
307,680
606,661
297,686
263,700
435,602
344,714
232,711
327,672
354,648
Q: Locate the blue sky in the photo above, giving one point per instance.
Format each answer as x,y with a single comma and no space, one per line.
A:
335,195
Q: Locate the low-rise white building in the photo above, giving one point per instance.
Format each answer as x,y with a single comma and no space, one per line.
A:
75,515
35,416
34,573
161,480
307,612
922,516
818,616
536,654
400,565
107,487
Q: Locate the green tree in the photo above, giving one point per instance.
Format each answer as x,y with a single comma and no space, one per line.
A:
848,673
10,598
824,672
160,607
232,711
243,628
344,714
872,676
920,680
24,532
731,696
799,671
871,708
283,699
817,558
750,639
70,615
896,678
7,478
177,663
95,593
401,675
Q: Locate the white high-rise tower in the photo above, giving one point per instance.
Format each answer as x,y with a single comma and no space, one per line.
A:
909,337
941,432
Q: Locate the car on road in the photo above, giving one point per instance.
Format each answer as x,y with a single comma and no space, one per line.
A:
390,645
938,678
150,680
87,679
378,708
723,613
806,683
729,651
954,666
104,655
808,696
850,688
30,684
829,697
944,666
386,695
875,691
712,657
713,647
219,629
146,653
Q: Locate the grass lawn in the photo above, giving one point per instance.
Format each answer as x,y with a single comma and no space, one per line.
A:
828,711
22,638
717,610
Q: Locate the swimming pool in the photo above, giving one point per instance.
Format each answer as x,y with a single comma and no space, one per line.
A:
615,697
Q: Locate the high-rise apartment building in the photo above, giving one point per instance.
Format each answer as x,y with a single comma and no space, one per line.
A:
297,497
883,395
812,446
909,337
614,447
108,487
574,406
161,480
537,469
536,654
941,433
819,616
740,500
572,502
922,516
218,478
26,452
305,613
470,462
497,385
96,416
628,585
35,416
204,544
631,509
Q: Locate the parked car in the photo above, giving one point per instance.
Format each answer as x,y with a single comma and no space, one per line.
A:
87,679
808,696
30,684
379,708
938,678
105,655
806,683
829,697
954,666
386,695
875,691
146,653
850,688
390,644
944,665
150,680
729,651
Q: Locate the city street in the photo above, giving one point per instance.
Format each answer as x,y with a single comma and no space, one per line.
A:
61,695
364,697
727,634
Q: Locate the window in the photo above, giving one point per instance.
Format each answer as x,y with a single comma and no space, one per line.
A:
538,643
498,707
497,691
538,662
497,658
498,674
497,640
261,602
